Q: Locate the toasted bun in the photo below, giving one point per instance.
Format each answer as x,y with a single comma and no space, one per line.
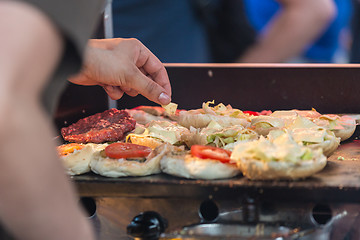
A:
200,120
158,111
110,167
153,110
259,170
78,162
328,146
143,118
311,114
326,140
185,165
145,141
346,129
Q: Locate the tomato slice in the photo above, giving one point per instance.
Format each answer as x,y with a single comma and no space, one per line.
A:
252,113
126,150
208,152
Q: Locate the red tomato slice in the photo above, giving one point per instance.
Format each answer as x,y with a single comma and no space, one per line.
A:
251,113
126,150
208,152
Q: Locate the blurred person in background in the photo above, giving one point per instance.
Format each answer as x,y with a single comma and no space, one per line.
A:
170,29
355,33
176,33
42,44
324,23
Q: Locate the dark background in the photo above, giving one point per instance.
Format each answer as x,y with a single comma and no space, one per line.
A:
327,88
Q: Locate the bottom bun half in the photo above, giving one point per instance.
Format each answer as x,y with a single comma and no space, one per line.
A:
259,170
110,167
186,166
78,162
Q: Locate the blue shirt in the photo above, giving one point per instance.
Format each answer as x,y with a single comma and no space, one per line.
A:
169,28
323,49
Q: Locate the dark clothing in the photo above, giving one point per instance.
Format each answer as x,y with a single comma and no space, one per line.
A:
355,31
186,31
170,29
76,20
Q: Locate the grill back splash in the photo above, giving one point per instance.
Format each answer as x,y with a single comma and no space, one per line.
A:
325,206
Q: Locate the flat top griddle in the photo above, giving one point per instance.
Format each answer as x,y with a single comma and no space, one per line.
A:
338,181
327,88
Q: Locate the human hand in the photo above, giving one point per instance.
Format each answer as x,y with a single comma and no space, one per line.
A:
124,66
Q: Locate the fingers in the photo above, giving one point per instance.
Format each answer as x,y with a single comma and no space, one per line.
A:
115,93
132,69
149,88
129,91
147,62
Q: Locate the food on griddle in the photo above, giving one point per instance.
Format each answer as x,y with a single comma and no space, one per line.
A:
306,132
76,157
311,114
277,158
287,144
264,124
157,132
145,114
201,162
223,115
141,117
342,126
108,126
218,136
160,111
126,159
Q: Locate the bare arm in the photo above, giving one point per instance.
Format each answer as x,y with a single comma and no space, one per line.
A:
291,30
36,199
124,66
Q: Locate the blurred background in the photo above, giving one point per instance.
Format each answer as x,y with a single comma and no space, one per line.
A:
249,31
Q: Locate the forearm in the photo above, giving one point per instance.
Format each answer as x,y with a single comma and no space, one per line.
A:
298,24
36,199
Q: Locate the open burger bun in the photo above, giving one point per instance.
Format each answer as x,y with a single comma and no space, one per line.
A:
346,128
279,158
343,126
143,118
78,161
157,132
257,170
110,167
224,115
183,164
195,119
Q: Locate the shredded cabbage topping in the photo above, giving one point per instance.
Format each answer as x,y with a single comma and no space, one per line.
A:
163,130
281,149
218,136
